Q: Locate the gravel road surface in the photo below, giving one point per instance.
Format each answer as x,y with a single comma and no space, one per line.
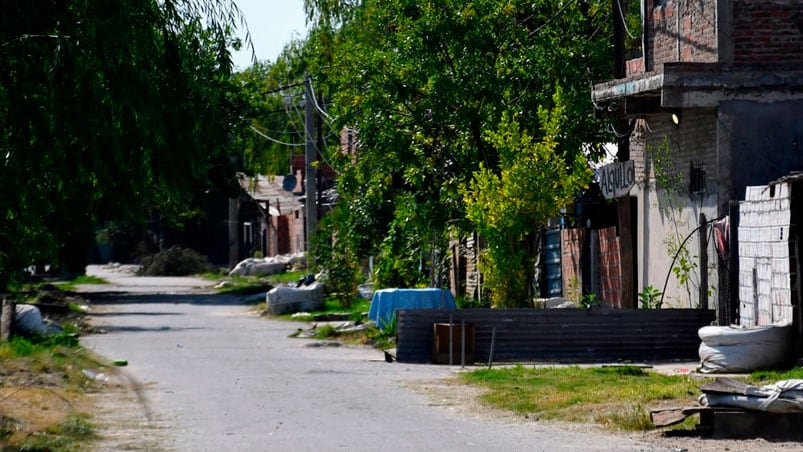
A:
207,373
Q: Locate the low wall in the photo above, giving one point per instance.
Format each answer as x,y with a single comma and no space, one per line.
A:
560,335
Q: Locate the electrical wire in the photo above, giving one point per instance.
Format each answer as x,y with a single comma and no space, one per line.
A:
282,88
269,138
315,103
554,16
624,22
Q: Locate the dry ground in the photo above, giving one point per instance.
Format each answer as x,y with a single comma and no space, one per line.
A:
464,400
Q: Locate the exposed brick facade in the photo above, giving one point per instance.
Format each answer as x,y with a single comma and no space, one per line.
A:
730,70
767,31
610,268
692,142
742,32
679,30
572,246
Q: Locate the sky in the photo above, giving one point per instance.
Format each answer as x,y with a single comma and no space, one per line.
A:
272,23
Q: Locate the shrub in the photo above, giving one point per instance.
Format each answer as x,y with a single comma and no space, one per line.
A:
175,261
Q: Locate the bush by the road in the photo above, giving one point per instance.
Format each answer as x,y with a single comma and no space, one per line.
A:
175,261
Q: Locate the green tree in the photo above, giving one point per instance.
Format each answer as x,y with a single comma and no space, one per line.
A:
275,110
109,110
533,184
423,84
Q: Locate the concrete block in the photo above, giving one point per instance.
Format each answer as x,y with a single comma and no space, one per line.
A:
780,265
746,277
782,298
780,250
752,193
780,281
746,294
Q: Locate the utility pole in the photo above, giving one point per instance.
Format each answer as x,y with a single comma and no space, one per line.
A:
310,171
623,130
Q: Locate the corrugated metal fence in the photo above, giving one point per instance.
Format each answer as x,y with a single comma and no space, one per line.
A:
560,335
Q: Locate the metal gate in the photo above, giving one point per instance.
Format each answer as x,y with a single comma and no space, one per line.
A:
552,263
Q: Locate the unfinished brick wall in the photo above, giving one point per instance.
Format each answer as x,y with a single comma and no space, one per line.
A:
767,31
573,246
680,30
610,268
693,141
765,293
761,31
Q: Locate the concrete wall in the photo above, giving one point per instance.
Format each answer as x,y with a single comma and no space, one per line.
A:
765,294
764,142
665,218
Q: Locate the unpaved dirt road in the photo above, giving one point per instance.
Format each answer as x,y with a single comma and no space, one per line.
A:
205,373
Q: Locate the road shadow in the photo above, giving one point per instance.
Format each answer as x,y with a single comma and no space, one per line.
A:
128,313
138,329
113,298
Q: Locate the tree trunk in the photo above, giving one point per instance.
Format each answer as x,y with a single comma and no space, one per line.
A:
7,320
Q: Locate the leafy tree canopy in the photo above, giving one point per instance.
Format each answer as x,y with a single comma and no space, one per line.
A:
430,87
108,110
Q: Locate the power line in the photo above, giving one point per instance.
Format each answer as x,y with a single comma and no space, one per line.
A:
558,13
265,136
624,22
315,103
282,88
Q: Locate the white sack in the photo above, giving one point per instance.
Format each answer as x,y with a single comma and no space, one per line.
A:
284,300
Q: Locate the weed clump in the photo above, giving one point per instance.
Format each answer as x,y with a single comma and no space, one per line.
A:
175,261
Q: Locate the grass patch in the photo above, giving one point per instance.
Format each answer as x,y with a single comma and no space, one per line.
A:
765,377
615,397
249,285
68,434
42,380
69,286
358,307
354,311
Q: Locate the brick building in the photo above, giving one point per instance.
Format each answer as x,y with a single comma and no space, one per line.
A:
712,104
270,216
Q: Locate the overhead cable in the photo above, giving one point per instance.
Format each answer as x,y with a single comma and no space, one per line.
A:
265,136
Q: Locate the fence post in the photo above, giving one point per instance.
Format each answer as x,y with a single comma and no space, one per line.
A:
7,320
703,263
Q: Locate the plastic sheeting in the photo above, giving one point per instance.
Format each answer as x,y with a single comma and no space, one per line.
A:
284,300
28,320
267,266
728,349
386,302
785,396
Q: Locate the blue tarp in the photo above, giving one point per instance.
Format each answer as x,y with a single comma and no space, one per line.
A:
386,302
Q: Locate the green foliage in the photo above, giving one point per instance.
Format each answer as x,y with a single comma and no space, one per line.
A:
533,184
333,250
423,85
325,332
614,397
80,279
764,377
108,112
670,181
650,298
589,300
23,346
390,327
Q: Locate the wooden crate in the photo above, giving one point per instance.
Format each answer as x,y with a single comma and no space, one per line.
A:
440,343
